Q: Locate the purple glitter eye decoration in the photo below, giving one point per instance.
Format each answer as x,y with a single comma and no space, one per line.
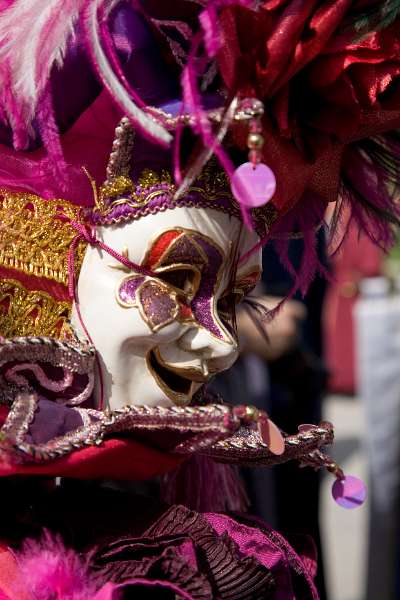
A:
190,268
157,304
184,250
126,290
203,303
192,248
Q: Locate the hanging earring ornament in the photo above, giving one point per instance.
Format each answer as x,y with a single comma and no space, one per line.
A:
347,491
253,183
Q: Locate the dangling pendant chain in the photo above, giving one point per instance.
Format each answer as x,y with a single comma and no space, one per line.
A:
347,491
255,141
253,183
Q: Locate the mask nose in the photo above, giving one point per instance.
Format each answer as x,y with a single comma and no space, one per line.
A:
219,354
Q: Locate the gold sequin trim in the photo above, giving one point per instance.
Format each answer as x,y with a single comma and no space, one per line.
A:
210,185
33,240
24,312
137,197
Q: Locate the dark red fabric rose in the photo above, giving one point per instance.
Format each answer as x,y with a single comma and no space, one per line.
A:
324,85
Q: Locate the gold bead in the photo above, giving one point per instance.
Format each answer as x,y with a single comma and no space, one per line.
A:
252,412
255,141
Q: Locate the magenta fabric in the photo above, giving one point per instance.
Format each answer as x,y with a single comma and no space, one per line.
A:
271,550
111,460
111,591
87,143
86,553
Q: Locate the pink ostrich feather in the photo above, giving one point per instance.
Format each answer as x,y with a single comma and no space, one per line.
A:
50,571
34,36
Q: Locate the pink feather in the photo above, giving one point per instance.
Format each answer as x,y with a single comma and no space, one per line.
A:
209,23
52,572
34,36
202,126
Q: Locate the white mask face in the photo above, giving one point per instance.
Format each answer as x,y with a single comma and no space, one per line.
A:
160,338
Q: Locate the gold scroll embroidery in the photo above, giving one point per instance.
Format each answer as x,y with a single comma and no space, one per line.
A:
210,184
32,239
25,312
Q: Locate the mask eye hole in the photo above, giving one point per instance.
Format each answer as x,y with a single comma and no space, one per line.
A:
183,279
227,304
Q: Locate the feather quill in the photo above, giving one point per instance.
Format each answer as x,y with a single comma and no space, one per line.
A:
150,128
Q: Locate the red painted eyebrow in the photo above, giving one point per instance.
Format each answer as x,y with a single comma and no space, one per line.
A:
160,246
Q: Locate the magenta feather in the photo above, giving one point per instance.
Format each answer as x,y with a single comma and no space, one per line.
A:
50,571
202,126
202,484
209,23
34,36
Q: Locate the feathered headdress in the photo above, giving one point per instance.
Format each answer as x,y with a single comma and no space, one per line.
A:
327,74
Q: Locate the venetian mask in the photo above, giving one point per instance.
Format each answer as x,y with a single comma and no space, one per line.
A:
160,338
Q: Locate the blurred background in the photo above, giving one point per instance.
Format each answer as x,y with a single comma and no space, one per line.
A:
361,323
331,355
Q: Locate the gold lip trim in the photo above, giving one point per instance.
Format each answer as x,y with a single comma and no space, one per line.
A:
198,375
178,398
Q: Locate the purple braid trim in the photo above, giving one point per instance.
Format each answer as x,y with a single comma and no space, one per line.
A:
59,385
126,209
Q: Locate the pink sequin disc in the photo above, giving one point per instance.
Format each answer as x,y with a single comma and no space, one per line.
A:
253,186
306,427
349,492
271,436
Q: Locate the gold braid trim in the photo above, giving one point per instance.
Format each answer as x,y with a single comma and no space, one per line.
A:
33,240
210,184
24,312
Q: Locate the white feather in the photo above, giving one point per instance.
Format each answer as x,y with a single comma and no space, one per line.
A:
138,116
33,37
25,53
